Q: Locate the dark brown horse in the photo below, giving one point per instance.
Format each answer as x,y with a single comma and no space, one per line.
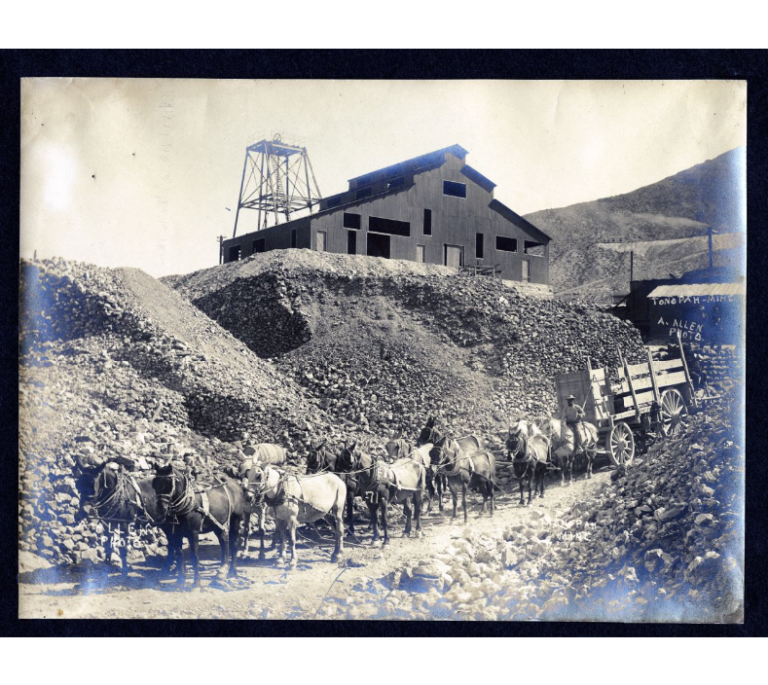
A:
381,484
437,483
529,451
465,472
349,466
122,501
321,458
220,509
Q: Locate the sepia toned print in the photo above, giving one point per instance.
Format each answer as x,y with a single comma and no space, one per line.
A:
382,350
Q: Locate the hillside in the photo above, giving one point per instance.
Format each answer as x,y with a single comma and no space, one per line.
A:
678,208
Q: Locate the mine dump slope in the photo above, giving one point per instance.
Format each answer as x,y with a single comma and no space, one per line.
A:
115,365
381,344
292,346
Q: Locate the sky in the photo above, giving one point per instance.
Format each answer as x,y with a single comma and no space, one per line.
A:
146,172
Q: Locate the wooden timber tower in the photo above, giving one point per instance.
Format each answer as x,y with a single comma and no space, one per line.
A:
277,181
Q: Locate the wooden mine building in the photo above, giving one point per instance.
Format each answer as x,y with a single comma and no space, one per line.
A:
434,209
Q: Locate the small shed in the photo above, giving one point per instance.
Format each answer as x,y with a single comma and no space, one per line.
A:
704,313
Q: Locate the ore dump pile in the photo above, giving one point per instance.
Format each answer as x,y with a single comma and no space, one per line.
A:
380,344
116,366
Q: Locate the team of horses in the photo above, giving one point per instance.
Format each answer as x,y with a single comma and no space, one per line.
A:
411,474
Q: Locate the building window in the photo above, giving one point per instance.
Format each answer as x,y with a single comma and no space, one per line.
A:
427,222
351,220
390,226
363,192
506,244
454,189
321,238
293,237
421,254
351,242
396,182
533,248
235,252
479,245
526,271
259,245
333,201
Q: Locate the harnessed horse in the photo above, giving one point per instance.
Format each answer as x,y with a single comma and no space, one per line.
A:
399,448
220,510
120,499
379,484
476,471
298,499
437,483
350,465
529,457
321,458
564,444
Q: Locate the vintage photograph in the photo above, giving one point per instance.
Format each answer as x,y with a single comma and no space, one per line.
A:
382,350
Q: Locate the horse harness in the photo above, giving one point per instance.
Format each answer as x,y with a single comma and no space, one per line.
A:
185,503
113,501
520,455
456,467
281,497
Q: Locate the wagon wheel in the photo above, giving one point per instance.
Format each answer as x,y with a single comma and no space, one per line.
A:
674,413
621,445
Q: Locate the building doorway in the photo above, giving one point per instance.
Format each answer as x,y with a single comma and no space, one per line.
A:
454,256
378,245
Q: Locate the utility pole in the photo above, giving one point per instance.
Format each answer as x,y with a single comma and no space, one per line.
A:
221,248
631,265
709,236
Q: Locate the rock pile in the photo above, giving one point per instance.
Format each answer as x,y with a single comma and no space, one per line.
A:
116,366
721,366
664,543
380,344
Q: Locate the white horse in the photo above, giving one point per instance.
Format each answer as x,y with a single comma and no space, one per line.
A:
564,445
298,499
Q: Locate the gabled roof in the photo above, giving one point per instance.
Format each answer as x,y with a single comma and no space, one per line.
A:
474,175
516,219
363,200
699,290
410,165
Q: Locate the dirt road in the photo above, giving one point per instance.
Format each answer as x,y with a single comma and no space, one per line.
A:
273,592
